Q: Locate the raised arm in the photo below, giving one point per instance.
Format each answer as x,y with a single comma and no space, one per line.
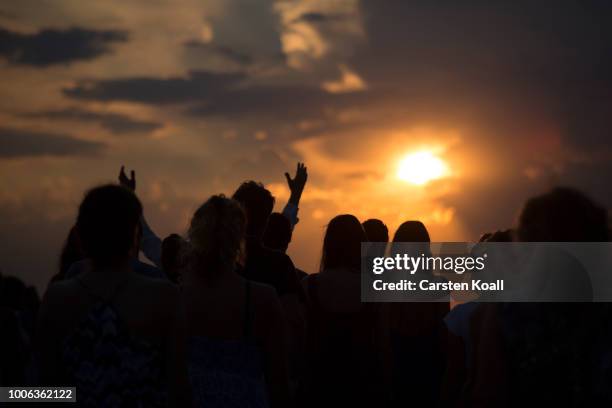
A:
150,243
296,187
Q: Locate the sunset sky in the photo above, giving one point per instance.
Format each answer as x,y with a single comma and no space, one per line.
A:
198,96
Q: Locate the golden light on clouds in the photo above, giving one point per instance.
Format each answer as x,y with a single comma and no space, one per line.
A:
421,167
348,82
206,33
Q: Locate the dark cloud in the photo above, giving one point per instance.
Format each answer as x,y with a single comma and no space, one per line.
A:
197,86
113,122
278,101
223,51
15,143
519,63
219,94
51,46
511,55
314,17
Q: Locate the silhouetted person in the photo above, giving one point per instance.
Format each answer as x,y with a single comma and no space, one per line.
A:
278,237
263,264
418,334
411,231
377,236
150,244
111,332
237,349
376,230
272,267
346,346
550,354
460,322
278,232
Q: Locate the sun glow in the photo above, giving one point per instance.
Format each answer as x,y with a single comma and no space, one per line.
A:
421,167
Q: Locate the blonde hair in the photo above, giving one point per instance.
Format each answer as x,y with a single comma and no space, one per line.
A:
216,233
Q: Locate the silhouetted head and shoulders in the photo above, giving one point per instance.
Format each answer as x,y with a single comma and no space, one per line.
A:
216,244
561,215
109,294
415,233
337,285
376,230
412,231
263,264
235,348
278,232
278,236
570,329
377,235
108,229
345,362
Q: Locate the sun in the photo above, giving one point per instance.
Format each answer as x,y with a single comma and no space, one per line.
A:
421,167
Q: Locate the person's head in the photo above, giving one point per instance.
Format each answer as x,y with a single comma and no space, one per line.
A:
108,224
257,203
342,243
172,256
411,231
376,230
278,232
563,215
216,235
415,233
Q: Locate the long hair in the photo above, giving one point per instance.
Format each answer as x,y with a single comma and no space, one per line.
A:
216,234
415,233
342,243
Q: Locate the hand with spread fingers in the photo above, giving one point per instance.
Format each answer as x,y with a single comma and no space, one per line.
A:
297,183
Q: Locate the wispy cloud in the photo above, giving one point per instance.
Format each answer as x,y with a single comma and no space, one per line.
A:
16,143
113,122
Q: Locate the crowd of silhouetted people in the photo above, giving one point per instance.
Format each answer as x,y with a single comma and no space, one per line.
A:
221,317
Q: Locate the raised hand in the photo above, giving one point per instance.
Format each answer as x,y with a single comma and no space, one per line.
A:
126,182
297,183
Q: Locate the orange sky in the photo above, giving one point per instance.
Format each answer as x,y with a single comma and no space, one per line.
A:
198,96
